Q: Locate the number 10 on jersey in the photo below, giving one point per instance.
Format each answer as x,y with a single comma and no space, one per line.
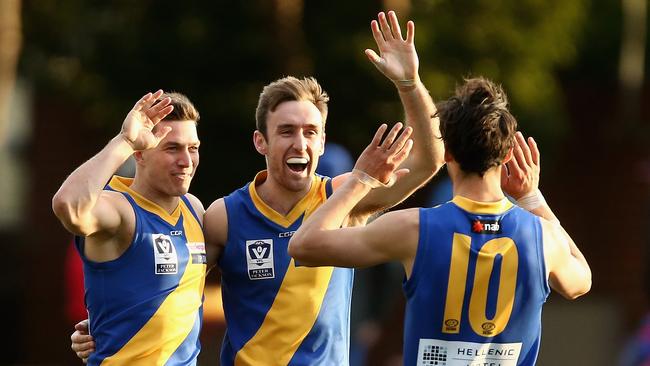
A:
457,284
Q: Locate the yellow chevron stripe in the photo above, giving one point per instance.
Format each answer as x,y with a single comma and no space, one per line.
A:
123,184
173,321
296,211
296,305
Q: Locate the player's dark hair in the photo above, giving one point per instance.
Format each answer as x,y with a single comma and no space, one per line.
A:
476,125
289,89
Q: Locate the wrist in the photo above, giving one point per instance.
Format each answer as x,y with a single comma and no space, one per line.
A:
370,181
407,85
123,143
531,201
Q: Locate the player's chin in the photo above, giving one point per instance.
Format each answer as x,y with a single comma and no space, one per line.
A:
299,184
180,190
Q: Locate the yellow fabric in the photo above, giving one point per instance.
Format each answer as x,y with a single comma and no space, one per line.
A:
299,299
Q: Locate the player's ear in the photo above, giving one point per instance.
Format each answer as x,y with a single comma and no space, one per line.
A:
260,142
508,156
138,156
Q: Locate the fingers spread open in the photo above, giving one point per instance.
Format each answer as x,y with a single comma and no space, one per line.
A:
388,141
520,157
521,143
373,57
162,114
376,34
140,103
398,145
410,32
156,108
385,28
403,153
396,32
534,150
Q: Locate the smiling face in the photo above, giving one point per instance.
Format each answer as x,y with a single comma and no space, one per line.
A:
168,169
293,144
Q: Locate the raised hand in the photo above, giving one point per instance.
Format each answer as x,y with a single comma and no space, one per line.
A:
521,177
397,58
380,159
138,125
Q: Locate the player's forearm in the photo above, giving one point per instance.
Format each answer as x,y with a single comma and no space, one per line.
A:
79,193
545,212
329,216
428,150
579,258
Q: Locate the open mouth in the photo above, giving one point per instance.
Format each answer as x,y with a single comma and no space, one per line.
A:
297,165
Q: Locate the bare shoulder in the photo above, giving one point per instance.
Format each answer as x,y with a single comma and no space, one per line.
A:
216,223
117,219
116,214
197,205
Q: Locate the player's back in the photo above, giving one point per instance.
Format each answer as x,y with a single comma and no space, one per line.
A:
477,286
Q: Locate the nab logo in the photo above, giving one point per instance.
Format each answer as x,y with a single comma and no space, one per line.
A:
259,251
486,226
164,246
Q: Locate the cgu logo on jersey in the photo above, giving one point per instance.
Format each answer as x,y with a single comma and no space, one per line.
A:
259,258
165,258
486,226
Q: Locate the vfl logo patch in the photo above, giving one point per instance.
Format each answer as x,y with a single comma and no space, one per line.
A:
259,259
486,226
164,254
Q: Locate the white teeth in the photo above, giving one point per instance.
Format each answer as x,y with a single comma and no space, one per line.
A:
297,161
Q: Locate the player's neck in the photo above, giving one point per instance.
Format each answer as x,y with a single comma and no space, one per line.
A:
278,197
166,202
482,189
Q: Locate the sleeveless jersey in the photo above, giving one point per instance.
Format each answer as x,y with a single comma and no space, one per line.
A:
278,312
477,286
145,307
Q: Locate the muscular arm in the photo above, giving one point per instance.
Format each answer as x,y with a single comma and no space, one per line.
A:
318,241
80,203
569,272
398,61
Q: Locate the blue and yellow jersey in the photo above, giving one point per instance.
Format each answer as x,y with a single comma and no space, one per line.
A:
477,286
145,307
278,312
